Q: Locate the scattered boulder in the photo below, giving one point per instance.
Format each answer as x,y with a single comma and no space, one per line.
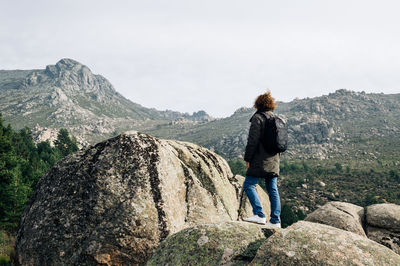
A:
341,215
379,222
383,225
211,244
306,129
114,202
388,238
40,134
306,243
238,243
386,215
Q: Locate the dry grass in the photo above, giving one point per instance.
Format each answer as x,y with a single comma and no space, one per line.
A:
6,246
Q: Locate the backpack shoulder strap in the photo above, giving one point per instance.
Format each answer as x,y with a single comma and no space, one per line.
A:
268,115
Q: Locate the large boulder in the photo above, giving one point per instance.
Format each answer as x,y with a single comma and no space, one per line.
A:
383,224
341,215
386,215
306,243
114,202
211,244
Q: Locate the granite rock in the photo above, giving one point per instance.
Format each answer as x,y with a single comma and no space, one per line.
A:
383,225
341,215
114,202
230,243
306,243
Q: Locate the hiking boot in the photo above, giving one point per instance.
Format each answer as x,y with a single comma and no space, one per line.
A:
256,219
277,225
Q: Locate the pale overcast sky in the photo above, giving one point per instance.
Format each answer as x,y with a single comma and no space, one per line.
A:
214,55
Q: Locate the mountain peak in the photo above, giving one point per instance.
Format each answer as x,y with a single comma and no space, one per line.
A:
243,110
346,92
66,65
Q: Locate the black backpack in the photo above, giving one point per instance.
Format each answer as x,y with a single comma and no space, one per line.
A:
274,137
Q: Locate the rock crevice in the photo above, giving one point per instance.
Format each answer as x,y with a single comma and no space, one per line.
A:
115,202
378,222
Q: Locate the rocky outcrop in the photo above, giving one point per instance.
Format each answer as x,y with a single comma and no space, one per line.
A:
40,134
383,225
211,244
341,215
306,243
307,129
69,95
303,243
384,215
378,222
114,202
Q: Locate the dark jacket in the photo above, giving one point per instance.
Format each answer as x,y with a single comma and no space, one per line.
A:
262,163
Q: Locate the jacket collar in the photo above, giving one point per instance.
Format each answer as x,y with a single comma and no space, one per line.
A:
262,111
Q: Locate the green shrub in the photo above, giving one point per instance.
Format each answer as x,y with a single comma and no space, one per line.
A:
320,171
310,178
6,247
4,261
238,167
288,216
294,167
306,167
394,175
338,167
348,169
372,199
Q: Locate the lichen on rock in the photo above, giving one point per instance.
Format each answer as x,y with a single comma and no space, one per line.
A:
306,243
341,215
114,202
383,225
230,243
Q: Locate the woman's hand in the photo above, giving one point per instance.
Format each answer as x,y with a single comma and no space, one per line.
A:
247,166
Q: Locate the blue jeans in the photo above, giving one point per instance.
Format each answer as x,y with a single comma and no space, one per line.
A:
249,187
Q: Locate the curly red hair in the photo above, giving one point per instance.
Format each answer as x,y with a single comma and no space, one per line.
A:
265,102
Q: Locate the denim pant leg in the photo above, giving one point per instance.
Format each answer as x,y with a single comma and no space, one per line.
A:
249,187
272,189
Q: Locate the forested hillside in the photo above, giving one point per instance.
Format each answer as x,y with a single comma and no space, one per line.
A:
22,163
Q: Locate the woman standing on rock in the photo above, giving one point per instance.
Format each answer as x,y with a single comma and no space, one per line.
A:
262,164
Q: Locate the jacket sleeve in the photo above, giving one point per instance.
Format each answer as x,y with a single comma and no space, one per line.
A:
254,137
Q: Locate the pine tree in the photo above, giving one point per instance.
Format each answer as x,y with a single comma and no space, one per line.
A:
22,163
64,143
13,191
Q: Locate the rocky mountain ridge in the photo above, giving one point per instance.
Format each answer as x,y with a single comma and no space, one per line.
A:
69,95
319,127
